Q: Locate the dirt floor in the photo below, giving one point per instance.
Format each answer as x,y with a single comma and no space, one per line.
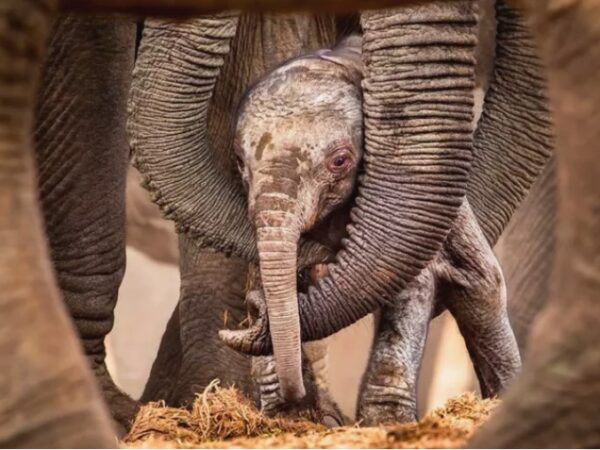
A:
223,418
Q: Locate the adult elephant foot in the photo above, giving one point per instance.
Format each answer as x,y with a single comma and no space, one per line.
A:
121,406
389,390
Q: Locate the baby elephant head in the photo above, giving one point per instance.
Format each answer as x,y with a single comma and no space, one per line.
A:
298,144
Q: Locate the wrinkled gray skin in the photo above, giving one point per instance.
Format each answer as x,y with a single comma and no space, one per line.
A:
526,252
82,159
557,387
299,146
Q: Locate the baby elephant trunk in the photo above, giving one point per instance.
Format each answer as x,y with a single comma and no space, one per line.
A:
277,242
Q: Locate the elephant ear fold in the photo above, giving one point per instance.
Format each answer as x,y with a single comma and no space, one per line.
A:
514,138
173,82
347,53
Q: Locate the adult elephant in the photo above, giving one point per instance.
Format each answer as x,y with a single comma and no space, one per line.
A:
418,101
23,30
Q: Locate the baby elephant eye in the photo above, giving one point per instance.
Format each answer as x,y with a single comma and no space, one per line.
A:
340,161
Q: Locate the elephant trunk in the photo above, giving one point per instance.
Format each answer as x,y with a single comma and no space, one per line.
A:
173,82
515,136
277,235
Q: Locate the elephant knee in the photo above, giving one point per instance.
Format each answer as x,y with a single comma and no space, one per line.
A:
489,287
473,282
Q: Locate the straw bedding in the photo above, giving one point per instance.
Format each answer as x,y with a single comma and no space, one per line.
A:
224,418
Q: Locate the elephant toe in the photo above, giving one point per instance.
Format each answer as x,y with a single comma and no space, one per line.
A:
332,422
386,412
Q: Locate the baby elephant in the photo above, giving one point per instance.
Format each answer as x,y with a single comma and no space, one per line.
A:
299,144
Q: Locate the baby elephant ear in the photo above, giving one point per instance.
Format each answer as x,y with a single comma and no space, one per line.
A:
173,82
348,53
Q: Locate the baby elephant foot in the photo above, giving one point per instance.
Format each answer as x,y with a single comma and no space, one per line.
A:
389,390
316,406
327,410
317,355
265,376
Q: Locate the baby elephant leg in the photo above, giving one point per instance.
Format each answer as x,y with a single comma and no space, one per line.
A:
472,288
264,376
318,401
317,354
317,405
389,389
263,368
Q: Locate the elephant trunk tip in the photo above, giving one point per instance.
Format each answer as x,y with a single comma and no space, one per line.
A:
292,391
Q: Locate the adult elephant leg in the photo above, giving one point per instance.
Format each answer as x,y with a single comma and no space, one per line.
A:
48,395
389,389
191,355
556,401
164,374
472,288
317,356
82,155
526,254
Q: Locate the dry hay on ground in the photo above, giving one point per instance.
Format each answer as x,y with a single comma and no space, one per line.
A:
223,418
